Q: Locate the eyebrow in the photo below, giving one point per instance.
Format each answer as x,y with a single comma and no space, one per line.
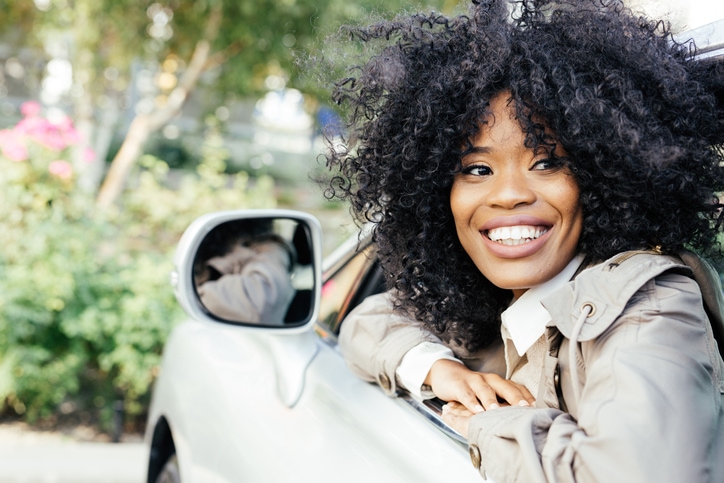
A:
478,150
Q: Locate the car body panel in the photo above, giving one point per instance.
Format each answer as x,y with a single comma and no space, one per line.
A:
219,395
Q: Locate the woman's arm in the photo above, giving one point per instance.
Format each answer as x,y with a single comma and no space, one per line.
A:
382,346
374,339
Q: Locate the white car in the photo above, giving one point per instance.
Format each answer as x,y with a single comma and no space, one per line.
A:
275,403
271,399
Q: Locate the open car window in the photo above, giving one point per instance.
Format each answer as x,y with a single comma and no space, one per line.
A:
345,286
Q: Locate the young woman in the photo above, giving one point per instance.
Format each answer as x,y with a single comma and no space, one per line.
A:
541,175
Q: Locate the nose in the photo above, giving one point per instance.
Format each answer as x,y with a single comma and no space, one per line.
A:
510,189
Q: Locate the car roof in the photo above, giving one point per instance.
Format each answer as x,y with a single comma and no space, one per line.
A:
709,40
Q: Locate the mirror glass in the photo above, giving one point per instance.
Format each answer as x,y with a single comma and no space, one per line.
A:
256,271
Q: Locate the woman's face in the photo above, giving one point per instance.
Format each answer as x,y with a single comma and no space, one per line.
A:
517,213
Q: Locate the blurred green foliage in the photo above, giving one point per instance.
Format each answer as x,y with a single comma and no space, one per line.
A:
85,303
253,39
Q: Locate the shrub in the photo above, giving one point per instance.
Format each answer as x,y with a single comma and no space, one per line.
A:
85,303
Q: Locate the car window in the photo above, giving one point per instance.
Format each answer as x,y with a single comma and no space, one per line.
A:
344,289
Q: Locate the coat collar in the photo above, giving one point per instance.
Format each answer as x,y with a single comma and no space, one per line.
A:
607,288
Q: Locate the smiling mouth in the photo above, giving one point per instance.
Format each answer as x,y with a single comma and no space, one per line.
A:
516,235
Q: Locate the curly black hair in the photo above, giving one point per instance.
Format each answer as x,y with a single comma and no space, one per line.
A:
638,116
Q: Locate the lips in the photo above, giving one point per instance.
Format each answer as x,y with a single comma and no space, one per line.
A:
517,236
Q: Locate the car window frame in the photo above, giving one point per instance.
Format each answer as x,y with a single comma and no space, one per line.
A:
359,288
369,281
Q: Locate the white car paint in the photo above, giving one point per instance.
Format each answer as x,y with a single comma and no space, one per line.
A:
218,391
253,404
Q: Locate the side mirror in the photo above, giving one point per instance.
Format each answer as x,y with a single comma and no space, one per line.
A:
259,268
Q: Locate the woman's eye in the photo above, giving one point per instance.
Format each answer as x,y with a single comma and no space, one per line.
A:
477,170
546,164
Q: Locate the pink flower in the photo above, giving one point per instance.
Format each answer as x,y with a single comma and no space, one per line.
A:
12,145
32,126
42,131
52,139
30,109
65,124
70,134
61,169
15,152
89,155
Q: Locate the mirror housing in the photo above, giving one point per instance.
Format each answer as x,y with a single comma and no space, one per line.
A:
284,243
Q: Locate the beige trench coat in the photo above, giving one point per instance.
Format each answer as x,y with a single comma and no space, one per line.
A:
255,285
644,402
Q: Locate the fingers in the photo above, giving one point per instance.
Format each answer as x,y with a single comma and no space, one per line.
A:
452,381
454,408
526,394
457,417
472,401
510,392
483,392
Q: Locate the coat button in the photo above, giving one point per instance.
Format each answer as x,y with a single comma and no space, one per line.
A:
474,455
384,381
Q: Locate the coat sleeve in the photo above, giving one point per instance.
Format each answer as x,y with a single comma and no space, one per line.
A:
650,408
374,339
259,290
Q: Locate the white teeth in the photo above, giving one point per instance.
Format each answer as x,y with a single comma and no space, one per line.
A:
516,235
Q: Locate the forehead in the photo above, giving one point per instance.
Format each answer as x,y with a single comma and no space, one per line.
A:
500,106
500,125
503,123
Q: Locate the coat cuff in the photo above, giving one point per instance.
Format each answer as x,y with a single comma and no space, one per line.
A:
508,438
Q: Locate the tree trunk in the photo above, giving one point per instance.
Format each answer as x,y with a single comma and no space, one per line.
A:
85,31
144,124
102,142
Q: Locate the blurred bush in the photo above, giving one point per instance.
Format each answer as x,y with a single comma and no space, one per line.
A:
85,303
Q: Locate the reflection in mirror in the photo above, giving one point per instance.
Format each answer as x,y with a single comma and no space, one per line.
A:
257,271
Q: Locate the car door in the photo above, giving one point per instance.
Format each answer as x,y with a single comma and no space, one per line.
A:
340,428
247,402
363,434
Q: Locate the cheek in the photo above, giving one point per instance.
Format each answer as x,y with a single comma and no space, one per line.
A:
455,204
574,236
464,200
462,207
571,209
457,210
564,194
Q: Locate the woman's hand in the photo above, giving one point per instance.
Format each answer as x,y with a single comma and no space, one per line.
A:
457,417
476,391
